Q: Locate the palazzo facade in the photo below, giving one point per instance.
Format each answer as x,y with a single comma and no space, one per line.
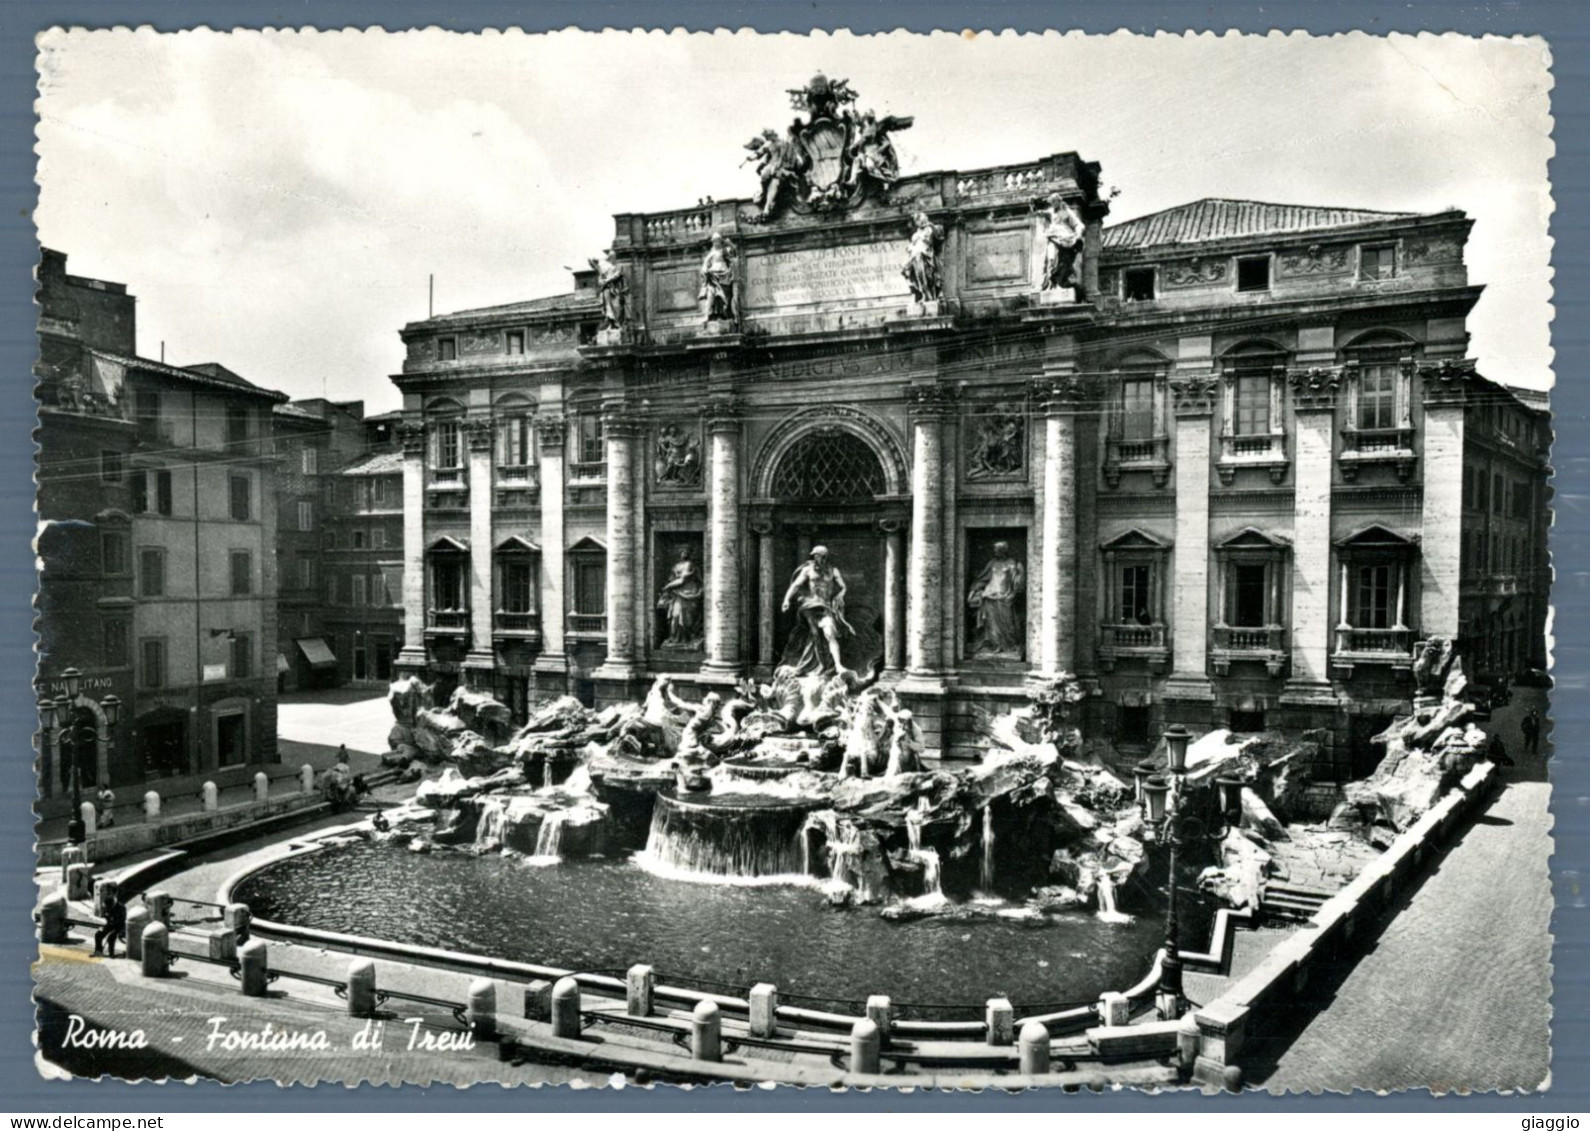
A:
1227,463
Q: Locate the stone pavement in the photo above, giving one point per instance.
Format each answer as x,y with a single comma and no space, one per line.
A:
359,718
175,1015
1454,993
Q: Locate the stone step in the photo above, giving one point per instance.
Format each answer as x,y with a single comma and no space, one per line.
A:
1299,890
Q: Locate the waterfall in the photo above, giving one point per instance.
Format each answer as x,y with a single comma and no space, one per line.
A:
578,781
725,843
549,838
1107,912
986,878
488,830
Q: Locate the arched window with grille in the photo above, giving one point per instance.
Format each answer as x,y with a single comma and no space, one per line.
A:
829,466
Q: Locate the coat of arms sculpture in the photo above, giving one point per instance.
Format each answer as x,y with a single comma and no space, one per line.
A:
828,160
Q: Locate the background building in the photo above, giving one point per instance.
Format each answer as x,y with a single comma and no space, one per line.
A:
155,493
363,548
1237,452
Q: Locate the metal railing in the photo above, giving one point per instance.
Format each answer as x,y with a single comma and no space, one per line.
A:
516,622
587,622
1372,642
447,618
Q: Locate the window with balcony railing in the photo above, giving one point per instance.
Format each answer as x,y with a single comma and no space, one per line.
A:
1376,571
1133,626
588,574
1379,417
1251,433
516,581
1251,621
449,590
1138,440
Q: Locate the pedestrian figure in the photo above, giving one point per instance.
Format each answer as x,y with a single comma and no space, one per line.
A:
115,926
1499,752
1531,728
106,816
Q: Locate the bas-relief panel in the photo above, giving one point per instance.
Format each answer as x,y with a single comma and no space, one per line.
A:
675,290
998,258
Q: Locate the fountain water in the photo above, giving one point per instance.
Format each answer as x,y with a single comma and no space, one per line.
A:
549,838
488,830
928,858
1107,912
986,876
727,841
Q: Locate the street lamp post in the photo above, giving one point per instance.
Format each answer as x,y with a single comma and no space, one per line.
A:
1164,814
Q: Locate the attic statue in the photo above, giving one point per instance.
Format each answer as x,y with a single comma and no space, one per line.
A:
613,289
1062,233
720,298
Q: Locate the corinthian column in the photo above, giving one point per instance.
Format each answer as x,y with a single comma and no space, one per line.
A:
925,615
1061,399
479,662
551,435
621,431
412,656
724,581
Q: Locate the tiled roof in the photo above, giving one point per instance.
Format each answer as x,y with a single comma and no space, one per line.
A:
295,412
207,374
377,463
572,302
1213,218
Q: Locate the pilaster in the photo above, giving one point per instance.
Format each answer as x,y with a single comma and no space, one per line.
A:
552,439
411,659
621,431
479,661
1193,397
1314,414
1446,386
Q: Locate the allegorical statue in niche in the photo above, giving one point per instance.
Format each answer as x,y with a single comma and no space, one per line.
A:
780,163
818,592
997,627
613,289
680,601
1062,232
998,450
922,269
719,295
678,459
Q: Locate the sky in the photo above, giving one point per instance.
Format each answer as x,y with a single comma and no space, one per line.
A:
278,200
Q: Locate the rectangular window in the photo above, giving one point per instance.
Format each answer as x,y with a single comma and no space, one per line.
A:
515,342
1377,396
242,573
329,540
311,462
377,538
152,663
361,591
592,449
1499,493
1136,606
236,424
1137,284
1379,262
306,572
242,504
113,553
1376,592
306,517
1247,596
112,466
1253,274
163,492
113,636
517,585
513,441
447,349
590,586
446,450
140,492
380,595
242,648
447,583
151,572
1137,409
1251,404
357,538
